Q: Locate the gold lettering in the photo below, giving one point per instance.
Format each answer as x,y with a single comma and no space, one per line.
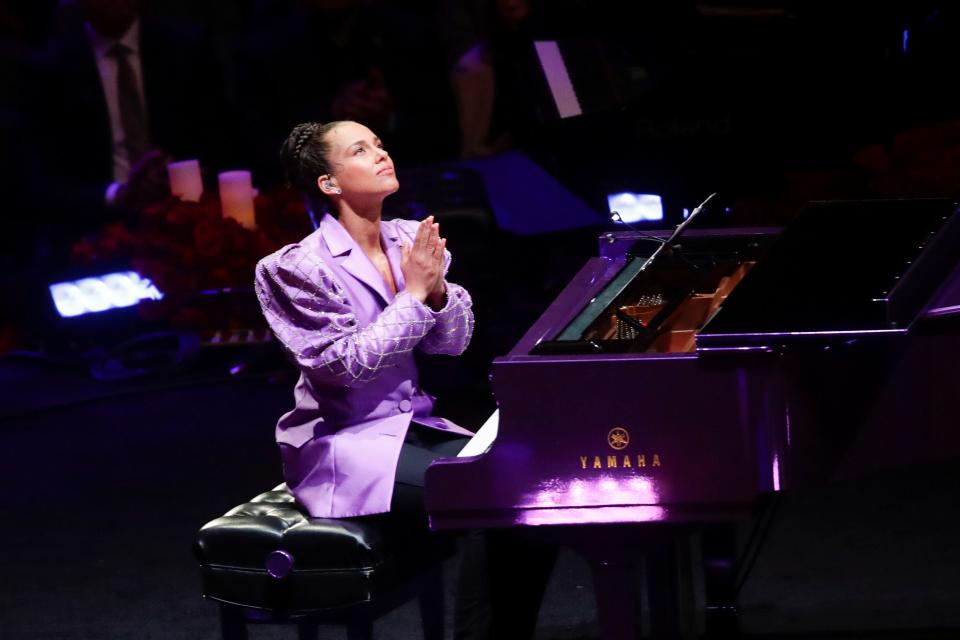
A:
615,461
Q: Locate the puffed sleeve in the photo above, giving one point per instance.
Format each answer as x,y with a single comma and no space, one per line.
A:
310,315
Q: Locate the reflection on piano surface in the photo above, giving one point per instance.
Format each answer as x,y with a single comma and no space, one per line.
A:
609,499
667,387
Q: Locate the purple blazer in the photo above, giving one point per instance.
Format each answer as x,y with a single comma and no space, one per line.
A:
353,342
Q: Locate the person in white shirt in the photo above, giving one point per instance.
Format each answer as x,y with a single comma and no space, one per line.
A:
111,102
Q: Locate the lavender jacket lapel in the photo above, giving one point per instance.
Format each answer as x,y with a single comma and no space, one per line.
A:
351,258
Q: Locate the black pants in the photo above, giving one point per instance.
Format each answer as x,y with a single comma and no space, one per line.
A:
502,573
422,446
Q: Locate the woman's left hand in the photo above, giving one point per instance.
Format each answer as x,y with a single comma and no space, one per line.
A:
437,297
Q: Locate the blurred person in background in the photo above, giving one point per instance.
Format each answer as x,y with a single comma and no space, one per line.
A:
23,25
493,69
375,62
111,99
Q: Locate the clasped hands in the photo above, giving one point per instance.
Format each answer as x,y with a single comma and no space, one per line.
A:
422,265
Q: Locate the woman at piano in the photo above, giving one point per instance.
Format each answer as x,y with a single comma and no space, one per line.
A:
350,303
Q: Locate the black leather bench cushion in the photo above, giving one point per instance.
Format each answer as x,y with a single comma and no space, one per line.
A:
249,533
335,563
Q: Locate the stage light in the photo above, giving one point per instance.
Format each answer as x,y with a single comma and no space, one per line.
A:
636,207
101,293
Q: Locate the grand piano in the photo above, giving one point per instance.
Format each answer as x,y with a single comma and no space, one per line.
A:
680,378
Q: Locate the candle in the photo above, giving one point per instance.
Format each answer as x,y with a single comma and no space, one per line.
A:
185,182
236,197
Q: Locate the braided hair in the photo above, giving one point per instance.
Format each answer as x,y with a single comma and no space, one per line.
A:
304,159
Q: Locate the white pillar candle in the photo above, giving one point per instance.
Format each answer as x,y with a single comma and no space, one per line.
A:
236,197
185,181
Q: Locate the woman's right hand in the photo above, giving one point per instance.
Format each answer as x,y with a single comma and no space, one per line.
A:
422,263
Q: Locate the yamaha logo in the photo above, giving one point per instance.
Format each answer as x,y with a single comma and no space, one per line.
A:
618,438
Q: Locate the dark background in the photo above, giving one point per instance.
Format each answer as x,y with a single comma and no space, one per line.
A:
769,104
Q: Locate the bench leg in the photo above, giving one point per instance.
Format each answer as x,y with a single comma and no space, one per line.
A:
233,626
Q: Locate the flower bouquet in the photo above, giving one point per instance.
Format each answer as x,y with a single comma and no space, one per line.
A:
200,260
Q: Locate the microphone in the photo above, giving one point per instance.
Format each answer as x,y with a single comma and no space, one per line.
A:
683,225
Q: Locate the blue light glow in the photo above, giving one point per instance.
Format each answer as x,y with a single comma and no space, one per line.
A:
634,207
906,39
100,293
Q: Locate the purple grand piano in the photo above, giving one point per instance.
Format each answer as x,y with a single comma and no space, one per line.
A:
668,387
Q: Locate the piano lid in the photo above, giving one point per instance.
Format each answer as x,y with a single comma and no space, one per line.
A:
847,267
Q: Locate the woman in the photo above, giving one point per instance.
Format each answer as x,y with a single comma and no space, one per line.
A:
350,303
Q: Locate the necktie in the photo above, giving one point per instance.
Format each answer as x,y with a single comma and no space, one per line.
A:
133,118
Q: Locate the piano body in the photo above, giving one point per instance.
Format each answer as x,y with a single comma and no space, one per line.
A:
666,389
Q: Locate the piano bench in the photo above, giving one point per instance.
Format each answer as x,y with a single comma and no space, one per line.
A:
267,561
